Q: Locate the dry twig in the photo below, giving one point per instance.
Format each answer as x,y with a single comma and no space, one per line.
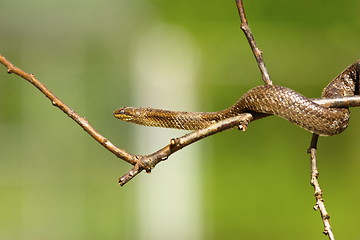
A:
257,52
319,205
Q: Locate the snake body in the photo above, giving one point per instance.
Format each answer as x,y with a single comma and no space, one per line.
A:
263,101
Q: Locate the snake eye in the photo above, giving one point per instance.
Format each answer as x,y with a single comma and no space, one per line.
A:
123,114
119,112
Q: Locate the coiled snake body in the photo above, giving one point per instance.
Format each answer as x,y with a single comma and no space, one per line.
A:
263,101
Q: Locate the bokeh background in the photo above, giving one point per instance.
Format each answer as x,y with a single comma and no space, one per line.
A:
57,183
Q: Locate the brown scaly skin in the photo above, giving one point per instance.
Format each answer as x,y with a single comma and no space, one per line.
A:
263,101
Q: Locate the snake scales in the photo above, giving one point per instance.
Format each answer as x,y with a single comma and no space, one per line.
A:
263,101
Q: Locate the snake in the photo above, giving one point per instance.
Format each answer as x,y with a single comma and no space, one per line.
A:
262,101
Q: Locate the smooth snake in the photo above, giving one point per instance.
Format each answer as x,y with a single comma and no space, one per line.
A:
262,101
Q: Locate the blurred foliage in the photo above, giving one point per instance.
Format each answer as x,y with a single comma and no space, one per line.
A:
57,183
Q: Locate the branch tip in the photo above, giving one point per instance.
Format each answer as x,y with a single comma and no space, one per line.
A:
129,175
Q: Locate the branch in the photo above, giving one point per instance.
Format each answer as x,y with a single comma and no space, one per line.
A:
140,163
320,205
257,52
338,102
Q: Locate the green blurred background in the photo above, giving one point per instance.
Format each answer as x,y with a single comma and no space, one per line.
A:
57,183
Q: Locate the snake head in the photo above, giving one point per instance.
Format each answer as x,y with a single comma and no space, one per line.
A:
126,114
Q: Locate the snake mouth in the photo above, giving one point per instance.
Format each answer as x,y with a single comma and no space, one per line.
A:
124,117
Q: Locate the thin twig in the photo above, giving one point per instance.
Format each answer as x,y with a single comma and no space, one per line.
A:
319,205
257,52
